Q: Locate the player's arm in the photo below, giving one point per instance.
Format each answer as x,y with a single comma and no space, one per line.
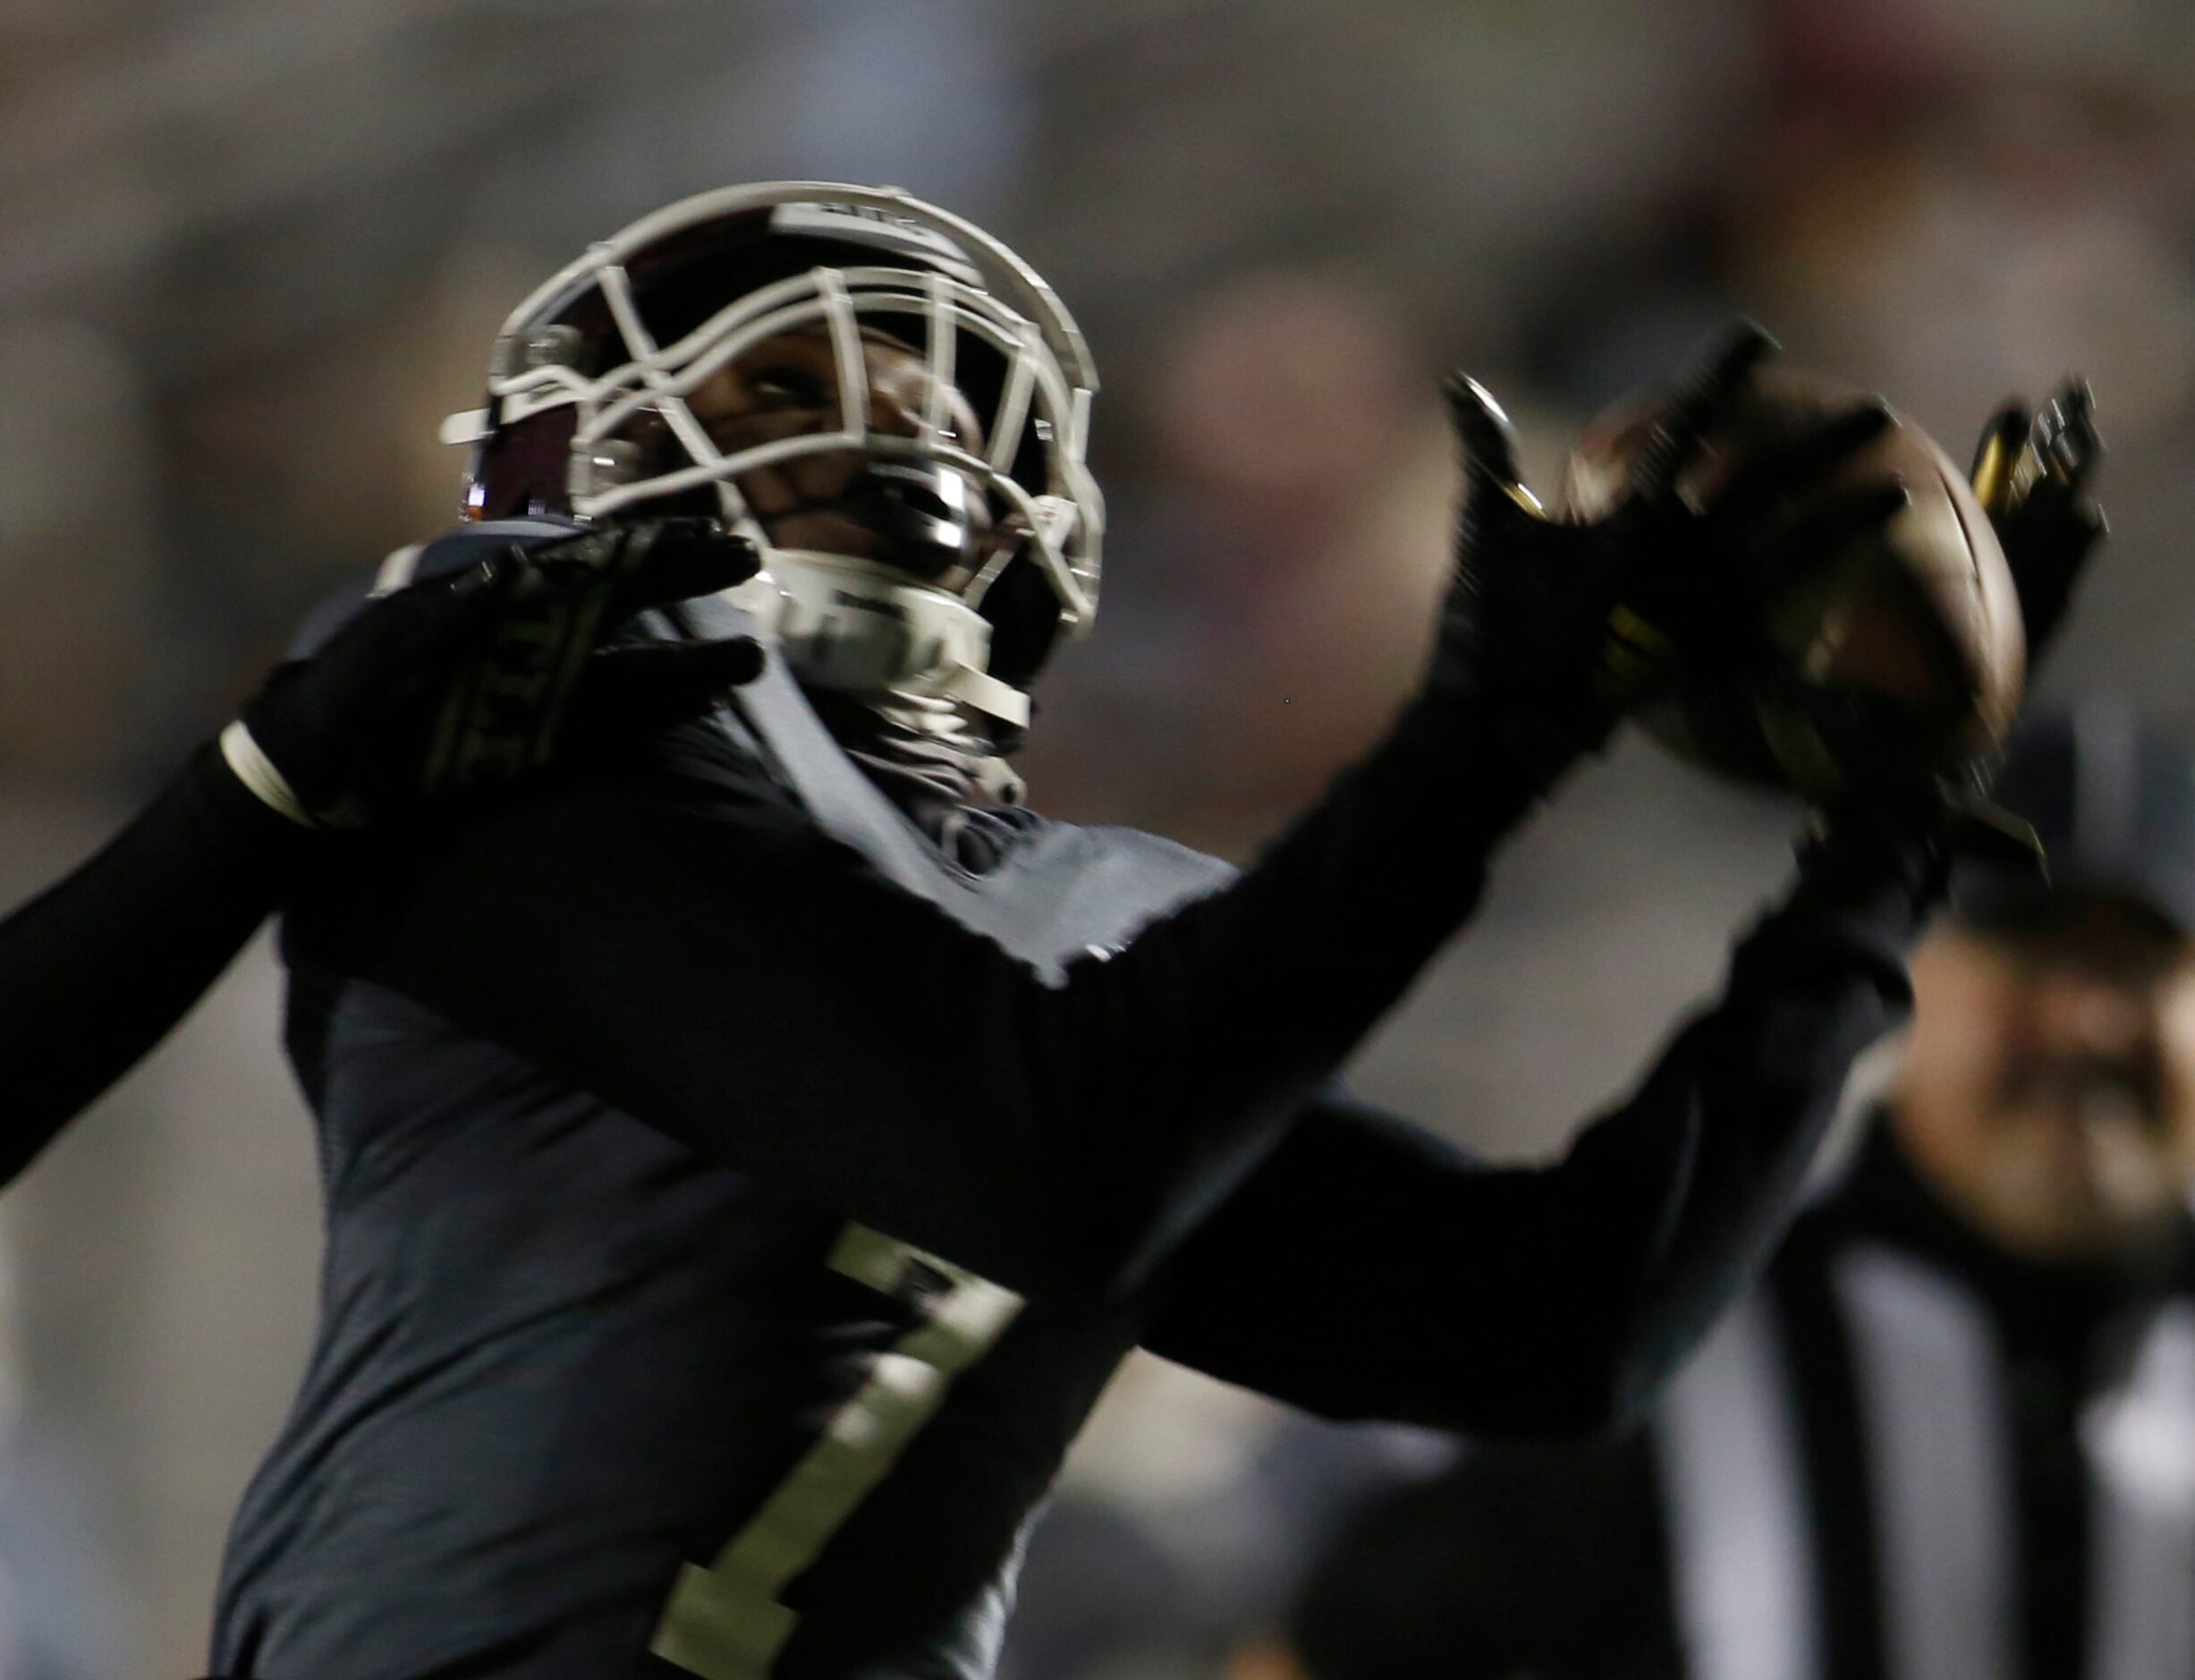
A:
96,970
1370,1269
753,989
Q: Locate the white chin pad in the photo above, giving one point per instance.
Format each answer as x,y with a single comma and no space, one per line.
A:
860,627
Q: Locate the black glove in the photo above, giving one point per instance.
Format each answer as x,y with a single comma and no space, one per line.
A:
465,682
2032,475
1568,625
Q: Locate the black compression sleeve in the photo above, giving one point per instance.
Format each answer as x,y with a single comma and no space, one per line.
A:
1370,1269
95,971
753,988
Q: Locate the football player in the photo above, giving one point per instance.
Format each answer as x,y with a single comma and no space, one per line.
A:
748,1160
447,686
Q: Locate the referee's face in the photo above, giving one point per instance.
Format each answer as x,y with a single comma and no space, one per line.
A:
2049,1091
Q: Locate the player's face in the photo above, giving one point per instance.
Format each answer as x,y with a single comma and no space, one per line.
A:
2049,1091
787,387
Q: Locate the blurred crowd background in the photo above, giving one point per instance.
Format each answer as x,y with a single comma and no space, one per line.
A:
251,251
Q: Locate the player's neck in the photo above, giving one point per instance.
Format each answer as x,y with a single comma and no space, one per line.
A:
936,762
928,729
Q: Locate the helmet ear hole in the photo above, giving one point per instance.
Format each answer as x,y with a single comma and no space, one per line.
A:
523,470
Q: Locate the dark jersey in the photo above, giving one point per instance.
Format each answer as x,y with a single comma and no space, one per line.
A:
734,1207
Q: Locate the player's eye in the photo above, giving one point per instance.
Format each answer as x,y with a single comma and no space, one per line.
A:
785,387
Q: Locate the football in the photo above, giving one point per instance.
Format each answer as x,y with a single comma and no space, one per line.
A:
1901,658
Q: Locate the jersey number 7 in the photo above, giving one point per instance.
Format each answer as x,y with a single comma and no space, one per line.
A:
726,1622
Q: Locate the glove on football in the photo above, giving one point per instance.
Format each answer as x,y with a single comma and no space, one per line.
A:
1571,624
2032,474
470,681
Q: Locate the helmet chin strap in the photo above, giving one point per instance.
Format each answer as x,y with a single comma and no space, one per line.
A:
862,627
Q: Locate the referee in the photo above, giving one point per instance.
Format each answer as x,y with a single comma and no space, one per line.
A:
1952,1437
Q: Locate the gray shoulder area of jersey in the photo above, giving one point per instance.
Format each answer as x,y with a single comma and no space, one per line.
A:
1067,893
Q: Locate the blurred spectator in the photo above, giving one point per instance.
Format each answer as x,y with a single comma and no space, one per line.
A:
1983,242
58,1620
1953,1434
1189,1510
75,550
